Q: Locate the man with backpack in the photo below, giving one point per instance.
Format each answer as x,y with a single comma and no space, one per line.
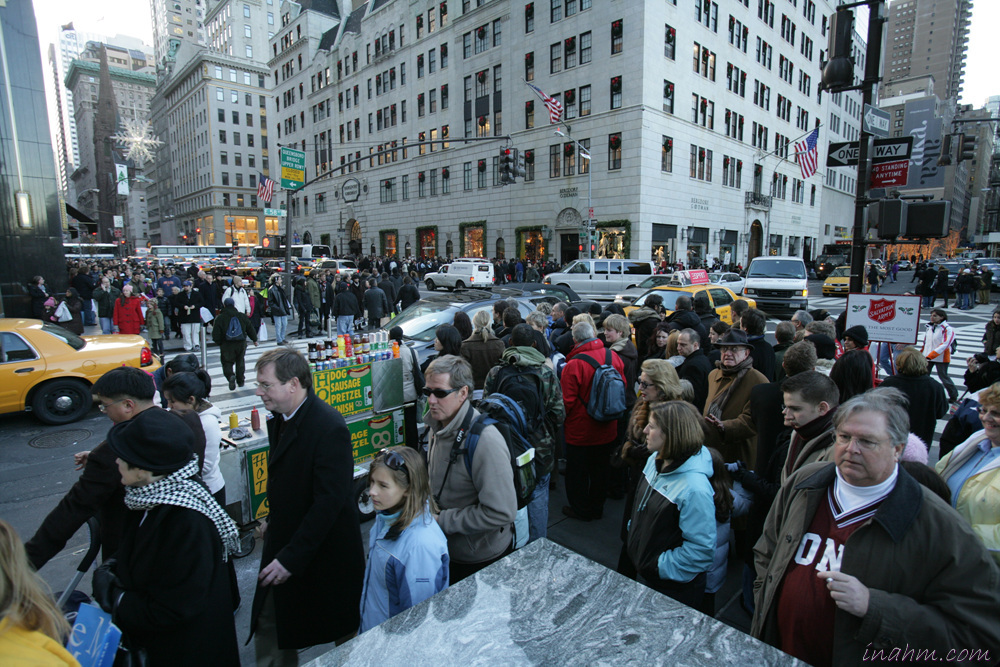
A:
475,492
591,429
523,376
230,332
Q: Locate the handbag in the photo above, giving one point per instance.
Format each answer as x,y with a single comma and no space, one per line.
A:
62,313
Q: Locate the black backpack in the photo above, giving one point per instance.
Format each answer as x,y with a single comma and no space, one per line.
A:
523,384
234,331
508,418
607,390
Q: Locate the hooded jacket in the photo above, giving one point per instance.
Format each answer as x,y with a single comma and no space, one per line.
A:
671,534
577,376
551,391
937,342
644,320
477,510
481,354
404,571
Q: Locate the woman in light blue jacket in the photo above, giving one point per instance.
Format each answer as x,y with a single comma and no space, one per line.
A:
671,536
408,552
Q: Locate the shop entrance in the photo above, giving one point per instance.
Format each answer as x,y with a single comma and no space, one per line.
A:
569,248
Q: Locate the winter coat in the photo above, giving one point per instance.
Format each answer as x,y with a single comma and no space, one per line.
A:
408,295
991,339
928,402
210,472
644,320
763,357
739,440
577,376
240,297
377,304
390,293
21,646
937,342
720,558
313,528
182,301
128,315
688,319
482,355
39,295
75,306
300,295
477,510
277,301
210,295
106,300
222,324
178,600
84,284
815,450
408,357
983,377
626,349
671,534
931,583
312,287
404,571
695,369
965,283
554,411
154,323
345,303
979,498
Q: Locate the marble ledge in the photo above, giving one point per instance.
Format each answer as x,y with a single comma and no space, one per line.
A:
547,605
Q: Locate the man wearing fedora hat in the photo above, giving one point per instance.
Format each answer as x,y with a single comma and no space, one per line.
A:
731,428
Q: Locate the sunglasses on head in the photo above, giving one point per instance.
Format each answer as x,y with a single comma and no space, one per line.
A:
438,393
392,460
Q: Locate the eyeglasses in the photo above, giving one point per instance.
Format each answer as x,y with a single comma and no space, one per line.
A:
992,415
393,461
266,386
645,385
103,407
438,393
844,439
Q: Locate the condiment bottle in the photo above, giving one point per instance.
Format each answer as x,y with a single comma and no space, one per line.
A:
234,421
255,419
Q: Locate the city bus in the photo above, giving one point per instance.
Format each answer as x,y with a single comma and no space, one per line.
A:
298,252
191,251
91,250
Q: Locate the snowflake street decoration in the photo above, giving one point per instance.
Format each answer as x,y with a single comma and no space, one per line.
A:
139,140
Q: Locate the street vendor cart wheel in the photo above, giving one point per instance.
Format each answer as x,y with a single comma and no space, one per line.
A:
366,510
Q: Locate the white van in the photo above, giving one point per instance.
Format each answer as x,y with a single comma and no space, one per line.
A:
462,273
779,285
601,277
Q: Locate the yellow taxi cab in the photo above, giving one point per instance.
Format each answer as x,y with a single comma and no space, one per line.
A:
694,284
838,283
49,370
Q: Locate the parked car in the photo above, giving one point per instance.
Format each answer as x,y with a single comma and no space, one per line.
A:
538,289
476,273
733,281
838,283
720,297
601,278
345,267
48,370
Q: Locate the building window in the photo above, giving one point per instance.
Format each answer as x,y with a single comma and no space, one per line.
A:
667,154
529,66
585,101
555,58
615,151
586,47
669,41
617,36
555,161
555,11
529,17
616,92
668,96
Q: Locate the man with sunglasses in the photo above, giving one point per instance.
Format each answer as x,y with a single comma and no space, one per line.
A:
859,562
123,392
477,507
312,563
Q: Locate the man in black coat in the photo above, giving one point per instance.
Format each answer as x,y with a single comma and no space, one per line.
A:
684,317
123,392
345,308
408,294
754,323
696,366
312,565
377,304
232,351
390,292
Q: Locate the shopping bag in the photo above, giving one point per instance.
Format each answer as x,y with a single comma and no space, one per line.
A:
262,332
62,313
94,639
206,315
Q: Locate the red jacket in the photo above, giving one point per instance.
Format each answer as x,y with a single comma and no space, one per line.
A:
577,375
128,317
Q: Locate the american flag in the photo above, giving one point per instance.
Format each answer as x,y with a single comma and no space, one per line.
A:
265,188
808,153
554,106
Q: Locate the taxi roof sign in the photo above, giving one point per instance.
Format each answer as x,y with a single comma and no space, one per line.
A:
690,277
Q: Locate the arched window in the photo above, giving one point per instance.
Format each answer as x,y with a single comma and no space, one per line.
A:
407,247
500,249
449,250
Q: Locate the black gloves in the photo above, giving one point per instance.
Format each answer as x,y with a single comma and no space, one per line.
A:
106,585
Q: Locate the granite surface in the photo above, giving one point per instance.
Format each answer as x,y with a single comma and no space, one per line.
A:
545,604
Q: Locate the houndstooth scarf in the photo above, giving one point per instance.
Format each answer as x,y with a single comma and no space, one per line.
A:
180,490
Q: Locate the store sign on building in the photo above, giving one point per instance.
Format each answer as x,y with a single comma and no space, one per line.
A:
568,193
698,204
351,190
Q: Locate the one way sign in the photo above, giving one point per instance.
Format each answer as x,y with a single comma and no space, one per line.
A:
845,154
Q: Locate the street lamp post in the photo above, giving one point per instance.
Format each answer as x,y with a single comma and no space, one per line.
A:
584,155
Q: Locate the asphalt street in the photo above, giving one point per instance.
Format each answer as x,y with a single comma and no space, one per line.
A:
36,470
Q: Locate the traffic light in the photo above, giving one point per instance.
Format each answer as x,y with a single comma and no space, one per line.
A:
838,71
519,171
197,230
506,165
945,158
966,147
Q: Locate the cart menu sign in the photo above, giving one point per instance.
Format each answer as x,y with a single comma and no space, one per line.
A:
257,481
349,389
368,436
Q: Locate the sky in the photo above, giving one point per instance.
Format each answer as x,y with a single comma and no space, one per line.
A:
133,18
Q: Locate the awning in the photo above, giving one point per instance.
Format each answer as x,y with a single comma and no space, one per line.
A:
77,214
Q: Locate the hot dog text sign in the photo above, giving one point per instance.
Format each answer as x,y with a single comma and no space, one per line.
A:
349,389
368,436
890,318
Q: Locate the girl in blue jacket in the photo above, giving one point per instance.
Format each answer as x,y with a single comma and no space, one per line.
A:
671,536
408,552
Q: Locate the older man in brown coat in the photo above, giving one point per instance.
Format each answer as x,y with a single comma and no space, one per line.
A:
731,428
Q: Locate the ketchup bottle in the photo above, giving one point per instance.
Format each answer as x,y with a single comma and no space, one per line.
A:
255,420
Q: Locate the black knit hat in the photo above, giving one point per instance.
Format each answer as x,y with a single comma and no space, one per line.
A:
153,440
858,334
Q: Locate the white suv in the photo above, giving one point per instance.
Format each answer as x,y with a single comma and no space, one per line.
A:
460,274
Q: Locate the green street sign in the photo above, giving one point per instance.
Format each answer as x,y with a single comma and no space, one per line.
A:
276,212
293,168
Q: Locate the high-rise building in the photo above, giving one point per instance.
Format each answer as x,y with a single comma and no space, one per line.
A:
928,38
31,235
678,129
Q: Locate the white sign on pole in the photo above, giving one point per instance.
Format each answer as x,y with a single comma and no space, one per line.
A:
121,177
890,318
119,221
